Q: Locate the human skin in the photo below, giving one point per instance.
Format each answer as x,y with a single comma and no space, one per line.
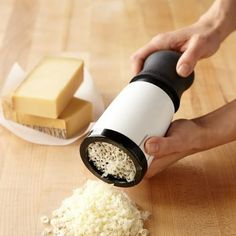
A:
197,41
185,137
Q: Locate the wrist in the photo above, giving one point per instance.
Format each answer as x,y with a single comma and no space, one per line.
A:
202,139
220,18
217,128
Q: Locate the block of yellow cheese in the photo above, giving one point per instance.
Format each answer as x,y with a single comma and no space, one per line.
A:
48,89
76,116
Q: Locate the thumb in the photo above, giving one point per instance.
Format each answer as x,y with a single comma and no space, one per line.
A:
161,146
189,58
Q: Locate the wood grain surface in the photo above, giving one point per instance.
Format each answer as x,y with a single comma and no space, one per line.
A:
197,195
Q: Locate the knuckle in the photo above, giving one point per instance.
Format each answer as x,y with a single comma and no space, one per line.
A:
135,57
159,37
200,39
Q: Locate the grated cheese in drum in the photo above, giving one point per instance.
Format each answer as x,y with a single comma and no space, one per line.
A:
111,160
98,209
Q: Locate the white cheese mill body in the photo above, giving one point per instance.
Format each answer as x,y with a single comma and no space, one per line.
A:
141,110
144,108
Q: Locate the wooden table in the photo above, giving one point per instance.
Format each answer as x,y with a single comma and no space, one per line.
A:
196,196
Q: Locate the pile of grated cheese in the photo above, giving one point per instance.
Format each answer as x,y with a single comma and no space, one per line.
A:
96,209
111,160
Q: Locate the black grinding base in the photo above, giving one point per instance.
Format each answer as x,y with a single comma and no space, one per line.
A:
125,144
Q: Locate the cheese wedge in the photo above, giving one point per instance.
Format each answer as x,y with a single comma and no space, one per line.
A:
49,87
76,116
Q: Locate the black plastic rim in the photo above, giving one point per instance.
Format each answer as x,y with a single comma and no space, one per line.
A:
125,144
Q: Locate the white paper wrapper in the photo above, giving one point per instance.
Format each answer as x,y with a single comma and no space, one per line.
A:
86,91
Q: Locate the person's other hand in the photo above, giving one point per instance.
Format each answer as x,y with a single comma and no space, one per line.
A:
197,41
184,137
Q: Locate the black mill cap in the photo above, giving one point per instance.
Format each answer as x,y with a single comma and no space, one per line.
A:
160,69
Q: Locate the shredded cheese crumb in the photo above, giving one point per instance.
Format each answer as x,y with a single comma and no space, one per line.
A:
111,160
44,219
98,209
46,232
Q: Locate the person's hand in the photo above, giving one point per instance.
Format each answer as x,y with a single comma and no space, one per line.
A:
197,41
184,137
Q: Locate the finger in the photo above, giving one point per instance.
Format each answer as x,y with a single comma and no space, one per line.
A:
162,163
139,57
189,58
162,146
160,42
